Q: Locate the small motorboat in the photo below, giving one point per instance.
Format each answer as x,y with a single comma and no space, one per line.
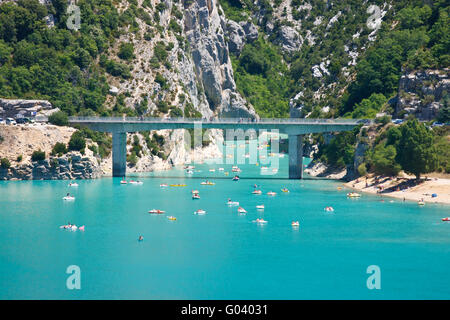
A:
163,185
81,228
212,170
285,190
73,184
271,193
421,203
295,224
195,196
257,192
236,178
200,212
221,169
69,198
207,183
264,168
156,211
241,210
353,195
260,207
172,218
194,192
274,170
446,219
136,182
235,169
232,203
329,209
261,221
123,182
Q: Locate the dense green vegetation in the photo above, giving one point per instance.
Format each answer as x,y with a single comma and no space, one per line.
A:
261,76
56,63
38,155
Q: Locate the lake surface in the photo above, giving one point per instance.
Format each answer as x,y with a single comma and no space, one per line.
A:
220,255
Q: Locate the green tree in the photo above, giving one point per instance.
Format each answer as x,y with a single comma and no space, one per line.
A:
59,149
416,152
77,141
382,160
38,155
59,118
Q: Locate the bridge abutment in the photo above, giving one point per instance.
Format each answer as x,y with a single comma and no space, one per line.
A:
119,154
295,156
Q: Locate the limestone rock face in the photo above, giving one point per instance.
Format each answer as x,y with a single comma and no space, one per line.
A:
71,166
211,59
239,34
421,93
289,39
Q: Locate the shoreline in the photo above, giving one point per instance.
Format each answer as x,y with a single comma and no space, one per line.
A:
422,191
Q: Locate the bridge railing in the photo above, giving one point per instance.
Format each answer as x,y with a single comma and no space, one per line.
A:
214,120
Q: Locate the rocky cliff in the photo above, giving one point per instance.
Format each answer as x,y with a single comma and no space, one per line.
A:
423,93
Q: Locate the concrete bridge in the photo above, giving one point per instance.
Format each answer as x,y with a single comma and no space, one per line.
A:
294,128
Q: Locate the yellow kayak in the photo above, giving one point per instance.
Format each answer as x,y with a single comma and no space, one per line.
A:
178,185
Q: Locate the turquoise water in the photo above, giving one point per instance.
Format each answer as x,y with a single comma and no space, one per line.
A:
220,255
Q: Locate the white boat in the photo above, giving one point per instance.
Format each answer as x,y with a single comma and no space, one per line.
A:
329,209
135,182
260,221
295,224
221,169
207,183
156,211
212,170
200,212
232,203
69,198
271,193
123,182
163,185
257,192
241,210
261,206
421,203
73,184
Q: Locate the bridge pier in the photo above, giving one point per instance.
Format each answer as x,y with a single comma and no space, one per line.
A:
119,154
295,156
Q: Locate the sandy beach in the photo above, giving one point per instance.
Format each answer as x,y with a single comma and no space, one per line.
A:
405,188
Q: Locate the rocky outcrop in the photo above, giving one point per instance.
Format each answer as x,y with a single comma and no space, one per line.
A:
238,34
12,107
421,93
289,39
211,59
70,166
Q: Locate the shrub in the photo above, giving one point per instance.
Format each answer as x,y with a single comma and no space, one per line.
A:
59,118
4,163
38,155
126,51
77,141
59,149
19,158
362,169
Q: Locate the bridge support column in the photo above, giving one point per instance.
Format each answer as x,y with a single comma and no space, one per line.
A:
295,157
119,154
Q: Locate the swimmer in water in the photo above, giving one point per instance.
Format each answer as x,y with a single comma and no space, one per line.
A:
141,238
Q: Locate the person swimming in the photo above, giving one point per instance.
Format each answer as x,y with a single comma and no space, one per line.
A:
141,238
